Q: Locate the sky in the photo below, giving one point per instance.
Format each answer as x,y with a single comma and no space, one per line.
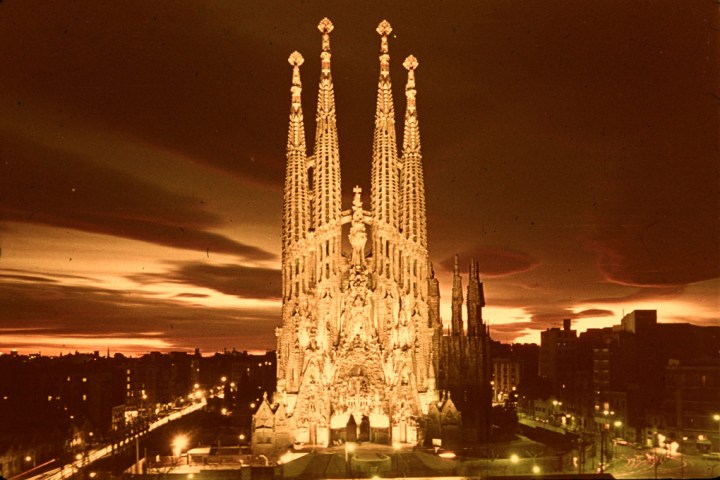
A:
571,147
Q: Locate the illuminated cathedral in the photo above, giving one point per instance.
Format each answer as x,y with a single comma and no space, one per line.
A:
357,353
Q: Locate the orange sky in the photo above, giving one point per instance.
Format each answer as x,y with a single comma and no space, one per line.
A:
571,147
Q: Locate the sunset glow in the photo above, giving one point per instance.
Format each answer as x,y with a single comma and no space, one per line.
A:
141,178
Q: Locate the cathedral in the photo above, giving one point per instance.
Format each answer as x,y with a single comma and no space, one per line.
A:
358,353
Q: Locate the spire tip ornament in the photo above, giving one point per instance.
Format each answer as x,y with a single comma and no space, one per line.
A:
325,26
410,63
296,59
384,28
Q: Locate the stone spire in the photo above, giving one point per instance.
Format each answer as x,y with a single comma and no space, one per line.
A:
296,215
475,302
327,157
384,172
413,221
457,300
326,171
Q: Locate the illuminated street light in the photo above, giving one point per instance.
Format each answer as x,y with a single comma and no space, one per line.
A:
349,449
682,459
223,379
514,459
536,469
179,444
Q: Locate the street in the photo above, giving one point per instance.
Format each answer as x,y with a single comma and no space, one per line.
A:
653,463
95,454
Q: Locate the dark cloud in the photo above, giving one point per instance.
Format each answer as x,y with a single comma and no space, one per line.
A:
54,188
191,295
639,295
78,311
593,312
230,279
507,332
492,261
667,253
46,276
26,278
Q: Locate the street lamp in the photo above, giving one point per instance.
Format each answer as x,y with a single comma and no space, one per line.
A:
349,449
682,459
514,459
179,444
617,424
604,426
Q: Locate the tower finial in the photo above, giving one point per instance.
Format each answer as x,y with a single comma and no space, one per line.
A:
296,134
410,65
384,30
296,60
325,26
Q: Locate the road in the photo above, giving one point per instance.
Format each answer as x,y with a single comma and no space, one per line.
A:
631,463
96,454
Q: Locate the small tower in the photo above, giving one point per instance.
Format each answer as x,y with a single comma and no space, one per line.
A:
456,322
475,302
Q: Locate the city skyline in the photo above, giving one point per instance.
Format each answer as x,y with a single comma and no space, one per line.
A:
570,150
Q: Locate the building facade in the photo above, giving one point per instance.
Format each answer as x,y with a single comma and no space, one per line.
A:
357,350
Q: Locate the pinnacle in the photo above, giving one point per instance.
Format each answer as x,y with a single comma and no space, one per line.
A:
410,63
296,59
384,28
325,25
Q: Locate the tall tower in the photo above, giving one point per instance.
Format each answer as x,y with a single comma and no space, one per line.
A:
296,209
357,350
384,198
326,172
413,222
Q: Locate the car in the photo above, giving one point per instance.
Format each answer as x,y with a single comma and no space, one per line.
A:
711,456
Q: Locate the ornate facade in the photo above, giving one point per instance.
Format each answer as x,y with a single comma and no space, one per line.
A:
357,350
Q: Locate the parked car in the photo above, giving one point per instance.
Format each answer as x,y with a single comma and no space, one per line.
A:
711,456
